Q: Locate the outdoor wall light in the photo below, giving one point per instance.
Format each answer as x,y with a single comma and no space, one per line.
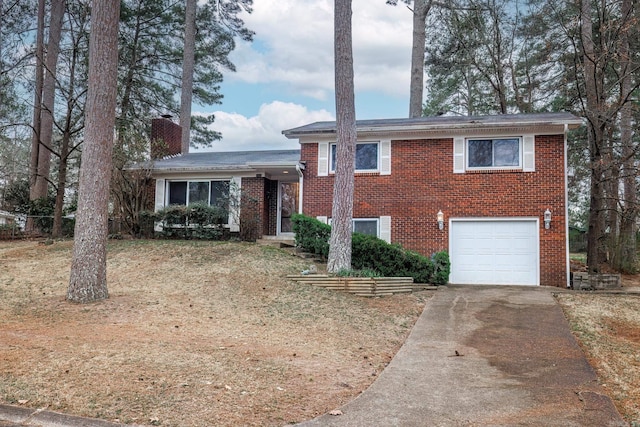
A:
440,220
547,219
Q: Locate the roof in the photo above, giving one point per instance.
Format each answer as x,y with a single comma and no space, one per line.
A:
229,160
442,123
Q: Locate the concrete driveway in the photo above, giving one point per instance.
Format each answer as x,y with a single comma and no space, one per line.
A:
485,356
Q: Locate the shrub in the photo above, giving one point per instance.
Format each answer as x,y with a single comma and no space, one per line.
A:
145,224
389,259
68,226
441,268
10,231
41,211
311,235
196,221
358,273
374,255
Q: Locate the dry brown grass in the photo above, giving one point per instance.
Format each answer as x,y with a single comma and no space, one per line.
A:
193,334
608,329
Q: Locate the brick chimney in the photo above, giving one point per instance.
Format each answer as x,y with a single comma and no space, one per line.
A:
166,137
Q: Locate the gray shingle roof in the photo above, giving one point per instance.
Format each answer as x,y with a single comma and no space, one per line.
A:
440,122
228,160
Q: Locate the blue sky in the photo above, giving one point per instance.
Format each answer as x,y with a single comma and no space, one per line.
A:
285,77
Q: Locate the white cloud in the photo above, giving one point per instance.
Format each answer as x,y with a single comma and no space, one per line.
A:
293,47
263,131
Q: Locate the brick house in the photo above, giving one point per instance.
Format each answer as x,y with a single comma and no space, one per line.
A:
478,187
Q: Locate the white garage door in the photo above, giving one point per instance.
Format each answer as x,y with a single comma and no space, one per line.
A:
494,252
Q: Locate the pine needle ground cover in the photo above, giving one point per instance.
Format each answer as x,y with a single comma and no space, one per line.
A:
608,329
194,333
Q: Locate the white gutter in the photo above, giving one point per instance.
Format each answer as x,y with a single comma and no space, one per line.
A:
566,204
300,186
408,128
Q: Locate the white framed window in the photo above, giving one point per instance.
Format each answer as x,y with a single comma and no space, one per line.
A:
367,157
368,226
374,156
212,193
494,153
500,153
379,227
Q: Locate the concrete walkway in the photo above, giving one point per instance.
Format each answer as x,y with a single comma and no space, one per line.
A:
477,356
485,356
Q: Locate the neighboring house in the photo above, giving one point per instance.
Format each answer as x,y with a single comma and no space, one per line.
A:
6,218
478,187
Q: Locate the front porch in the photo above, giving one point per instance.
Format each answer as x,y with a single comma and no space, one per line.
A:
267,207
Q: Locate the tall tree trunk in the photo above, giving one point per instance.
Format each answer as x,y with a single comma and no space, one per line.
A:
595,129
62,185
611,199
498,65
187,73
48,99
37,103
1,64
88,278
64,150
628,259
421,10
342,210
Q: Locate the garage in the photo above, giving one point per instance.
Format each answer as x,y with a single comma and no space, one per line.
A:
494,251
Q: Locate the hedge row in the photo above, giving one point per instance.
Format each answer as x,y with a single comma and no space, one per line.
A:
196,221
371,253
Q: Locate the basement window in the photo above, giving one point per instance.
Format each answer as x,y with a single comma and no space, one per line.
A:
366,226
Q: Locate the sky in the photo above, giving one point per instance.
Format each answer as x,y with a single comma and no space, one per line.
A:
285,78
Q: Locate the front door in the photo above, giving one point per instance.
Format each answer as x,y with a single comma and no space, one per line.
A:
287,205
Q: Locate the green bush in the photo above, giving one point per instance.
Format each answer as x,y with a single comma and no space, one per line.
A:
389,259
68,226
441,268
10,231
196,221
372,254
358,273
311,235
41,210
144,227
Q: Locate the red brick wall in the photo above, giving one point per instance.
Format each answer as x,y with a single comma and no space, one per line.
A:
253,204
166,138
263,199
422,182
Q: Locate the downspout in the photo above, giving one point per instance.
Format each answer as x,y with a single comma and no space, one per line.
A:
566,204
299,169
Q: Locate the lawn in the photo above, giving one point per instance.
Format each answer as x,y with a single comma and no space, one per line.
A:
205,333
607,327
194,333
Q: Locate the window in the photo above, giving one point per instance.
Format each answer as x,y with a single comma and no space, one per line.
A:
493,153
178,193
366,226
198,192
366,157
379,227
214,193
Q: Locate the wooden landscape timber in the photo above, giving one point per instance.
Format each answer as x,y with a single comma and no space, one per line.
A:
361,286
